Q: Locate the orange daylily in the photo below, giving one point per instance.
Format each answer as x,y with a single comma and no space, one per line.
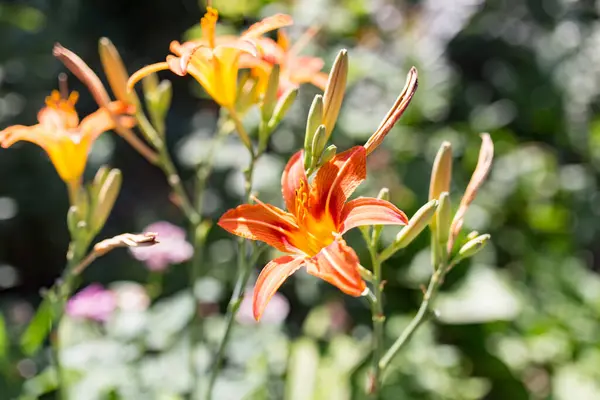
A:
295,70
214,61
312,228
67,140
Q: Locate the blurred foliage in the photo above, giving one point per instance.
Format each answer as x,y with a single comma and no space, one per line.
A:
520,321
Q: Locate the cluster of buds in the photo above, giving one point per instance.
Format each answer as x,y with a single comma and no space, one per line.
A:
323,115
437,212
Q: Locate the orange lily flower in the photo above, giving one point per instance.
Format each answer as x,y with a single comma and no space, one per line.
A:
295,70
67,140
214,61
312,228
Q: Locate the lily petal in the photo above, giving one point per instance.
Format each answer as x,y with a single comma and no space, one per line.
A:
102,120
270,279
337,179
370,211
261,222
338,265
267,25
292,179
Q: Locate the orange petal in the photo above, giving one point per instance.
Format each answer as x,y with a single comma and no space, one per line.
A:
268,24
103,119
320,80
303,69
261,222
36,134
143,72
292,179
337,179
270,279
370,211
338,265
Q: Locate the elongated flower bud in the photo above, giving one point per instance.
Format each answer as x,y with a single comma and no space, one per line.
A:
158,99
384,194
115,71
334,91
315,116
328,154
416,225
270,98
318,144
471,248
107,195
283,105
443,219
395,112
441,172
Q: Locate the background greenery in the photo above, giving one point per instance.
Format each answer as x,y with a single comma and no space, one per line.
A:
521,320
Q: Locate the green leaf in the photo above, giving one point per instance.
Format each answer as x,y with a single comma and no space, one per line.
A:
38,328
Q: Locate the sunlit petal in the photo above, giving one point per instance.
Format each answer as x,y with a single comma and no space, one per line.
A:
337,179
102,120
270,279
292,179
268,24
261,222
338,265
370,211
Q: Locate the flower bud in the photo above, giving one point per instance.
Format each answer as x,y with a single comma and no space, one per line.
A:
158,99
472,235
115,72
334,91
73,221
328,154
472,247
107,195
318,144
270,97
441,173
283,105
416,225
443,217
315,116
384,194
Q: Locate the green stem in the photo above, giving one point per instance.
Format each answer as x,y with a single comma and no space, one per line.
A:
434,283
58,297
377,314
244,269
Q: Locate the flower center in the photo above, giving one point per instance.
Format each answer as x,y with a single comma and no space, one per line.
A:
316,231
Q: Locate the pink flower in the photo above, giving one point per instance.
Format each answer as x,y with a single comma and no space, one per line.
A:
172,248
275,313
93,303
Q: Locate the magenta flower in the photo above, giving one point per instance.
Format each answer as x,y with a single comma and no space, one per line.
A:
275,313
172,248
92,303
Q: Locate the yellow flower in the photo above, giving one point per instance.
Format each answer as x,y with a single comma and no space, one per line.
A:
214,61
67,140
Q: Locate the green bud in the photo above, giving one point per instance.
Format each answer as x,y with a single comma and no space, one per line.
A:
334,91
328,154
318,144
472,247
158,100
365,273
441,173
270,98
315,116
281,108
107,196
384,194
443,219
416,225
73,221
472,235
